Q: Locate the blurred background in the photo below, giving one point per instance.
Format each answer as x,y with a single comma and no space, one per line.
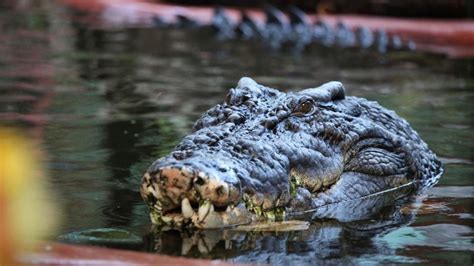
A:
400,8
98,104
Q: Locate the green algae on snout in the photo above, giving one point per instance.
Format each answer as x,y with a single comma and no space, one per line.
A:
249,204
295,183
277,213
156,217
281,226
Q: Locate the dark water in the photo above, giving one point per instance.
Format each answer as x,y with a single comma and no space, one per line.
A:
105,103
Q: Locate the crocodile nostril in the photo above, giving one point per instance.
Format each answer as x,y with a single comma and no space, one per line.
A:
220,190
163,178
199,181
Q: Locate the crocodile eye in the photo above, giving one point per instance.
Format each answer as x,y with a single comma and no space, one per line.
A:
305,108
245,97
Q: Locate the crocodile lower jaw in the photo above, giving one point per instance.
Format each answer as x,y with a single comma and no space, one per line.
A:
205,216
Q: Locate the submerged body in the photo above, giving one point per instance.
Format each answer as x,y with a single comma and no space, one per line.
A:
265,154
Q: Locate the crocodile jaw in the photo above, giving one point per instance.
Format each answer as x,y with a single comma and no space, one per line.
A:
177,204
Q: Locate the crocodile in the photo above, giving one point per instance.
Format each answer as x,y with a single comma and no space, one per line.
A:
267,155
293,29
452,37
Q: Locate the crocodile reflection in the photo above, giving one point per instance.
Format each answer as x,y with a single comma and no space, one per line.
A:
328,239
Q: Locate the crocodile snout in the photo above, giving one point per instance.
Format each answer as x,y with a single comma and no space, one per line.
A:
191,191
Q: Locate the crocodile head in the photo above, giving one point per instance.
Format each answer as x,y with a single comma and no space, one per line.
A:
265,154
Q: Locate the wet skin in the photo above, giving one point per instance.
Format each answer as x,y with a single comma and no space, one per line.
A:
267,155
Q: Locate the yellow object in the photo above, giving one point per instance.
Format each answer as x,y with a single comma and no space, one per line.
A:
27,213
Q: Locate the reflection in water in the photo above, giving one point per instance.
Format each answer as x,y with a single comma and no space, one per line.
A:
444,236
107,103
328,240
103,236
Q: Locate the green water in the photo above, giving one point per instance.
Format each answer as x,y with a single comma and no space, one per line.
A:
104,104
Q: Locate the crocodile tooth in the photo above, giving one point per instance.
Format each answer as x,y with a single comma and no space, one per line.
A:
186,208
166,219
202,175
186,246
147,177
228,244
202,247
228,209
204,210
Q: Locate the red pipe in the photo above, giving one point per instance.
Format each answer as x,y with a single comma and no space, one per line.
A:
452,37
64,254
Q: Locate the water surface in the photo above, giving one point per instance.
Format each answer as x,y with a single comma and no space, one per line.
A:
105,103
